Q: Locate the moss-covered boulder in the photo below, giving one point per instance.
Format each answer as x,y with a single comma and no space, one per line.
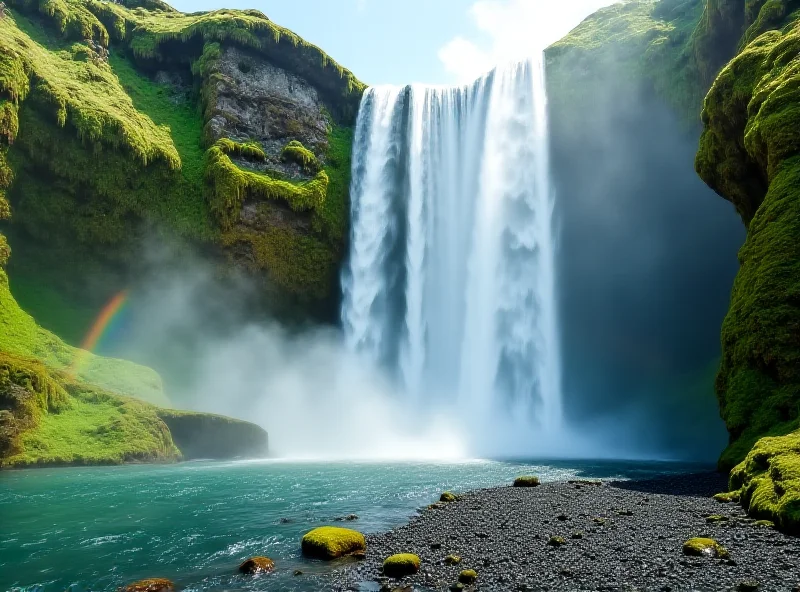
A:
556,541
401,565
448,497
704,547
468,576
331,542
526,481
257,565
151,585
768,481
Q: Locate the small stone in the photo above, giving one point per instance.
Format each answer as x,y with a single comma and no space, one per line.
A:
563,517
764,523
624,512
298,572
600,521
435,546
715,518
452,560
456,587
556,541
747,586
576,535
256,565
401,565
468,576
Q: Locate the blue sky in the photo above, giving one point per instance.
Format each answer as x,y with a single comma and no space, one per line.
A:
428,41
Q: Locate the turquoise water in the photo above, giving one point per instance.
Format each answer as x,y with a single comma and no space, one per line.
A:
101,527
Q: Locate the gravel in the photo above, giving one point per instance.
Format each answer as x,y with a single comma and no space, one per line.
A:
624,535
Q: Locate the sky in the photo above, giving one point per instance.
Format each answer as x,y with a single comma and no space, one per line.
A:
422,41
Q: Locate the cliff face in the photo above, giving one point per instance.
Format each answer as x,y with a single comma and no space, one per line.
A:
750,154
108,116
206,436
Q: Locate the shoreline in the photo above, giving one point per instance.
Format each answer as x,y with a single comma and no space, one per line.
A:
619,535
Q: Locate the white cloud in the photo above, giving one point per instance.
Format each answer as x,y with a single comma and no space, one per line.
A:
513,29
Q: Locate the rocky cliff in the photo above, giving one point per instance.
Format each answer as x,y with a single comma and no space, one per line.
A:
116,127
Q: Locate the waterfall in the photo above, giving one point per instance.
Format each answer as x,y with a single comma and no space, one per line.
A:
450,282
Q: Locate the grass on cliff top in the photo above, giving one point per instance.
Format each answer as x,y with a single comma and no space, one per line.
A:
82,92
635,40
97,428
21,336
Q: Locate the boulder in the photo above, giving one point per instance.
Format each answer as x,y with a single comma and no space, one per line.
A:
703,547
452,560
526,481
401,565
330,542
468,576
256,565
448,497
151,585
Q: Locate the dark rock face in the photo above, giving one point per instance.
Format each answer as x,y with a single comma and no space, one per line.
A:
642,551
256,100
200,436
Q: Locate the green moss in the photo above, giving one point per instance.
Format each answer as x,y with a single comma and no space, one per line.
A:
295,152
452,560
716,518
468,576
229,186
332,219
401,565
526,481
98,428
704,547
632,42
448,497
768,481
750,154
330,542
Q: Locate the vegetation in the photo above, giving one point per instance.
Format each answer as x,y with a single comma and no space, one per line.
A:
749,154
468,577
448,497
631,42
401,565
295,152
330,542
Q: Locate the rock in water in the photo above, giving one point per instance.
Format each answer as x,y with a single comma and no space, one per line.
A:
401,565
330,542
526,481
256,565
151,585
702,547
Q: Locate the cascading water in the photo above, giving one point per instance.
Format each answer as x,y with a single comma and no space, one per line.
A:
450,283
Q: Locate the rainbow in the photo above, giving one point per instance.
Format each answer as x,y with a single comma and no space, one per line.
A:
99,328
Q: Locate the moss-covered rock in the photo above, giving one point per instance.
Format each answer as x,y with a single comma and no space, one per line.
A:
768,481
468,576
401,565
526,481
704,547
556,541
257,565
448,497
452,560
330,542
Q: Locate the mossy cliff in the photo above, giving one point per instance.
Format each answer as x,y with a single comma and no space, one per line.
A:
110,114
749,153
